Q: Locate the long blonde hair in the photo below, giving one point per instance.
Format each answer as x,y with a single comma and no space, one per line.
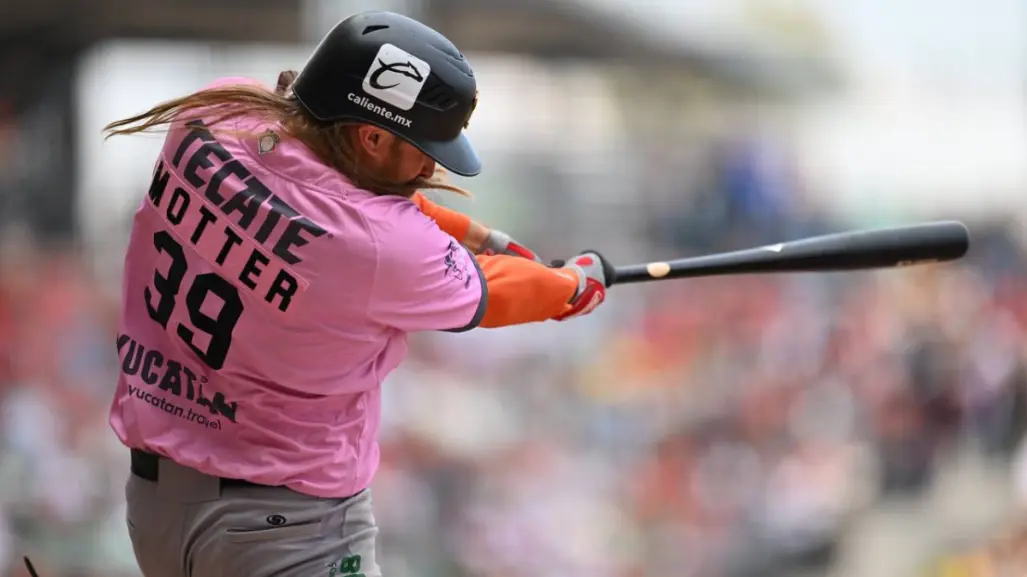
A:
330,141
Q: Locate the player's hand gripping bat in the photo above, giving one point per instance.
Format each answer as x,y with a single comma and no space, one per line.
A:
866,249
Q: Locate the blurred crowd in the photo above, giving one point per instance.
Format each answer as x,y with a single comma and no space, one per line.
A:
723,427
729,427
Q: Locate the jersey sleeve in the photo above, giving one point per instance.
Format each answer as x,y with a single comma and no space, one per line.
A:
426,280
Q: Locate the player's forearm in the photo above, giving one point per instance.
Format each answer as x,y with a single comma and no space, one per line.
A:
478,238
522,291
457,225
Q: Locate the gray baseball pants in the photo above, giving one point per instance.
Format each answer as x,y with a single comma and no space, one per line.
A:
187,524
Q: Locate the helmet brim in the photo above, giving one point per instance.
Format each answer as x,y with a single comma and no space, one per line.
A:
457,156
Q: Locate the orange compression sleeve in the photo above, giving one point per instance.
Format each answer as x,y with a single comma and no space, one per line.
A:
523,291
455,224
451,222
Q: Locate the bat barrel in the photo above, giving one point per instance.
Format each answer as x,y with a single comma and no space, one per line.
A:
858,250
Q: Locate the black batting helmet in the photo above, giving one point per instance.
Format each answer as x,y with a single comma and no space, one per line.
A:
396,73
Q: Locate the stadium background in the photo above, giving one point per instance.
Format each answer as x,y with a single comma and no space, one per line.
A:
847,426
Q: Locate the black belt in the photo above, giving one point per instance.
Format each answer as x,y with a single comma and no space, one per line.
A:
147,466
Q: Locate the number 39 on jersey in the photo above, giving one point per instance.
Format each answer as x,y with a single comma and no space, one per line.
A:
162,299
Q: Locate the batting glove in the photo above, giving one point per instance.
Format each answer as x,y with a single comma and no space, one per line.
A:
498,242
595,274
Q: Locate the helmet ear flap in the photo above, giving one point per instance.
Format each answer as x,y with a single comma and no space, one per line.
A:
474,104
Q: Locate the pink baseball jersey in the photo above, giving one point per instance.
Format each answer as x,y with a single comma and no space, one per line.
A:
265,299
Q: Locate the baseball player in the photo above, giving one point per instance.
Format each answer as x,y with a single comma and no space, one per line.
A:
275,267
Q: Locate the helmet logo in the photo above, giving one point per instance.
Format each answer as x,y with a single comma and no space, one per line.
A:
396,77
405,68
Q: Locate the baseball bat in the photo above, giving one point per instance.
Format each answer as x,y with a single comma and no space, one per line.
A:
857,250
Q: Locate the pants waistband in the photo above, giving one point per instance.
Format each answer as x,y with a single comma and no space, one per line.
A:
146,465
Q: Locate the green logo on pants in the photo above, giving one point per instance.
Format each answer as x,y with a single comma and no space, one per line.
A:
345,567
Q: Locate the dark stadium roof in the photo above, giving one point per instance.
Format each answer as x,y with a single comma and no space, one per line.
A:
37,34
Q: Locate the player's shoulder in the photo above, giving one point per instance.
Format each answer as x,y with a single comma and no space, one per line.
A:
226,81
403,234
395,217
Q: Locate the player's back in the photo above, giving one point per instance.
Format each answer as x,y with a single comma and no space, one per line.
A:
246,342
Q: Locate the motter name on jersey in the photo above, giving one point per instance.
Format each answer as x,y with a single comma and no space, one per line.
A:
250,235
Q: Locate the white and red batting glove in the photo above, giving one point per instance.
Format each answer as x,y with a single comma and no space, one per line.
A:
595,274
498,242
